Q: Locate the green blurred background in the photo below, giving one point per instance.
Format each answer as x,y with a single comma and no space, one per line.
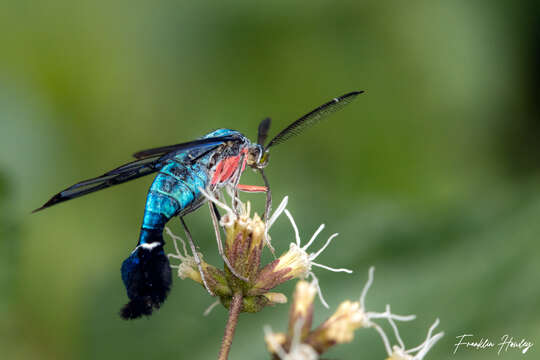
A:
432,175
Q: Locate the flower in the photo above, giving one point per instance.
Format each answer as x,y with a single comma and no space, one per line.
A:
350,316
339,328
215,279
297,350
304,294
274,341
302,308
303,298
244,242
296,262
244,236
418,352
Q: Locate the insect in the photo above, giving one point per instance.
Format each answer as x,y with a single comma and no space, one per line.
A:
183,170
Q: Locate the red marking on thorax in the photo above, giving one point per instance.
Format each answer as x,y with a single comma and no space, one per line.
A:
226,168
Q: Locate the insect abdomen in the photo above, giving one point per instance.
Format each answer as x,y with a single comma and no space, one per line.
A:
174,189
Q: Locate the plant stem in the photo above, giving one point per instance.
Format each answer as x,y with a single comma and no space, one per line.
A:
234,310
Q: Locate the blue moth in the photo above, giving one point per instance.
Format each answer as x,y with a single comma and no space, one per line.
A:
183,171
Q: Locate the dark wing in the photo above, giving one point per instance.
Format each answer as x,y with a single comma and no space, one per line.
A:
183,146
313,117
127,172
147,164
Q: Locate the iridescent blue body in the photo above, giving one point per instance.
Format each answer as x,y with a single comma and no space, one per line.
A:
175,191
176,188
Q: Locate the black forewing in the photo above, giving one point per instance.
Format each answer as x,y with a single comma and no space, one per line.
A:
183,146
150,163
313,117
124,173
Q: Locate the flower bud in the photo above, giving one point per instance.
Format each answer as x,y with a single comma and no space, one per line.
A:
293,264
215,278
276,298
302,308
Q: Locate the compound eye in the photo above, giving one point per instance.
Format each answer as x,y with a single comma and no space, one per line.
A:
263,161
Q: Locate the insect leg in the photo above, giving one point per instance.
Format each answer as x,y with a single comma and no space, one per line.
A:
216,211
268,206
237,179
252,188
195,255
214,214
267,209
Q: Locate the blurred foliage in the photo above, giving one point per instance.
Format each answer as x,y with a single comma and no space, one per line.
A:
432,175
